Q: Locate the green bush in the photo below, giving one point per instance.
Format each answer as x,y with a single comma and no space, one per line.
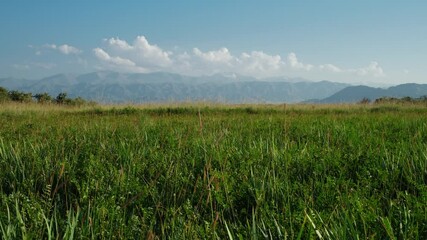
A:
19,96
4,95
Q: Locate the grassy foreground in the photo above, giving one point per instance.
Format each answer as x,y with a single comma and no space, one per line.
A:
195,172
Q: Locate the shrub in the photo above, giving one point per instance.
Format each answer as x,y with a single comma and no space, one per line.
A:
4,96
19,96
43,98
365,101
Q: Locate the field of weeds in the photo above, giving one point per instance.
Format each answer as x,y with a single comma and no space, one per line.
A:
213,172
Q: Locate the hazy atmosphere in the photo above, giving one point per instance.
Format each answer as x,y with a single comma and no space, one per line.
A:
358,42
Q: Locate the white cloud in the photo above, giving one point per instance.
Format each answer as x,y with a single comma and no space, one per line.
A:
374,69
261,62
152,52
120,44
217,56
67,49
117,63
142,56
102,55
205,63
140,52
330,68
255,63
64,49
51,46
295,64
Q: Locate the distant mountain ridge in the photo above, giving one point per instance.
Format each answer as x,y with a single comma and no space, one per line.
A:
114,87
357,93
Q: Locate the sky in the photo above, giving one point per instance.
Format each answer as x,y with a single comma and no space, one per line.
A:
369,42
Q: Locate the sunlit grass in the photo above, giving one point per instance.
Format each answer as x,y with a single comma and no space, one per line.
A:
207,170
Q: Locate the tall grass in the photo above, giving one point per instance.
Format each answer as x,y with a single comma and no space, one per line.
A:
203,171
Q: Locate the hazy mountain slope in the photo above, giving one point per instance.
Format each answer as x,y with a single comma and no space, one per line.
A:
15,83
357,93
408,89
113,87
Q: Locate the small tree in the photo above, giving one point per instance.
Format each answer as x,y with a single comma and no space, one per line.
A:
43,98
407,99
61,98
19,96
4,95
365,101
78,101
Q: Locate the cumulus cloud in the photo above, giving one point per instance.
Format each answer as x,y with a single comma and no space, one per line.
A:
153,58
258,61
64,49
116,62
140,51
218,56
142,56
152,52
295,64
330,68
199,62
255,63
373,69
102,55
118,43
67,49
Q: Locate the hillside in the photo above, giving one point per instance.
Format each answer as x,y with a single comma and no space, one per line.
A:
357,93
113,87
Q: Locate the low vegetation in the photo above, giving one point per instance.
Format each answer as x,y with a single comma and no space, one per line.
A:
393,100
41,98
202,172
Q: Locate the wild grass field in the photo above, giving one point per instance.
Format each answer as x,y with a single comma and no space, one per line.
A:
213,172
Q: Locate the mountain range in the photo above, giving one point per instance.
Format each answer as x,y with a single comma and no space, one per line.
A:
356,93
114,87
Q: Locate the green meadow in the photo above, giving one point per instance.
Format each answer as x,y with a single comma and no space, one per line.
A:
206,171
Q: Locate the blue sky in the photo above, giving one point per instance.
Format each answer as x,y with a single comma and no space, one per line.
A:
370,42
